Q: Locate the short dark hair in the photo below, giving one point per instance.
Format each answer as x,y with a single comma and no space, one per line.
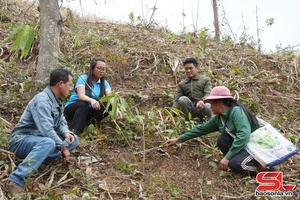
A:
59,75
190,60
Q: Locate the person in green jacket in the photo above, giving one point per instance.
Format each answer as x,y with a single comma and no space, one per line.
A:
191,92
235,122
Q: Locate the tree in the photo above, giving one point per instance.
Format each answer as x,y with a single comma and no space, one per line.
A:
50,27
216,20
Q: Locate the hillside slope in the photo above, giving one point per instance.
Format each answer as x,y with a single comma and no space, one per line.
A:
145,65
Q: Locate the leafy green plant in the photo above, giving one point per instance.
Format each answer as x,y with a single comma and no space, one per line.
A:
188,37
124,167
236,70
115,101
131,17
23,36
78,40
207,153
171,37
251,104
203,37
170,187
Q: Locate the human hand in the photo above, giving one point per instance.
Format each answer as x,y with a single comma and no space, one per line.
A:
65,154
119,114
167,119
71,137
95,104
223,165
170,142
200,105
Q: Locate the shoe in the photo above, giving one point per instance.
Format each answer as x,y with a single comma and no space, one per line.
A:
42,167
273,169
13,189
265,169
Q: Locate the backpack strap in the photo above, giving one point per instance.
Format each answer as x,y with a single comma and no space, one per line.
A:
226,129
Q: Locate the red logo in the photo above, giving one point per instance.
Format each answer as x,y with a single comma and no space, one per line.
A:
272,181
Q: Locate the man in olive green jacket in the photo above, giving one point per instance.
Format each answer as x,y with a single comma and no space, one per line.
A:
191,92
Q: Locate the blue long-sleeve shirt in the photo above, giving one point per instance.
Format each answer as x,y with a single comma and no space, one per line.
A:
43,116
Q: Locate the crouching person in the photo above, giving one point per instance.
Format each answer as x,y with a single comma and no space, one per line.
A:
42,134
235,122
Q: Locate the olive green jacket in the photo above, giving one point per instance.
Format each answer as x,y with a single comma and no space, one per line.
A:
237,123
195,89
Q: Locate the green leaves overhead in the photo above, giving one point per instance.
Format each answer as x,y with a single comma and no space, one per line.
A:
24,37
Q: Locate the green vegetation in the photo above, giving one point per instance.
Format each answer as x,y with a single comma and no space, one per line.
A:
23,36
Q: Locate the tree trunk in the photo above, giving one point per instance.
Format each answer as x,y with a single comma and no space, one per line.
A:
50,27
216,21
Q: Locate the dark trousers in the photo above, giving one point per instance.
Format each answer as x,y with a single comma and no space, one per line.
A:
80,113
243,162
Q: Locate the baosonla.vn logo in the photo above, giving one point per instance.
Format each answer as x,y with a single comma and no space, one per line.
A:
271,184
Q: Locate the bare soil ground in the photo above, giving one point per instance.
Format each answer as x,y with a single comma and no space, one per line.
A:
145,67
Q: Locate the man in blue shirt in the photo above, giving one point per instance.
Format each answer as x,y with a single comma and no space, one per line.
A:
42,134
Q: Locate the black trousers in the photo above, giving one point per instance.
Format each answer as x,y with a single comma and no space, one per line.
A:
243,162
80,113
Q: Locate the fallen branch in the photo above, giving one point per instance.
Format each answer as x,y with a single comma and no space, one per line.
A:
64,182
106,189
42,175
48,185
63,178
10,125
5,151
199,140
141,196
13,165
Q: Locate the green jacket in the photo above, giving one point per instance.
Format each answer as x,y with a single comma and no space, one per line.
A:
195,89
237,123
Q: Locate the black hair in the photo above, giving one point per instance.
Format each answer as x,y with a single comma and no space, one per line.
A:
89,81
231,103
190,60
59,75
